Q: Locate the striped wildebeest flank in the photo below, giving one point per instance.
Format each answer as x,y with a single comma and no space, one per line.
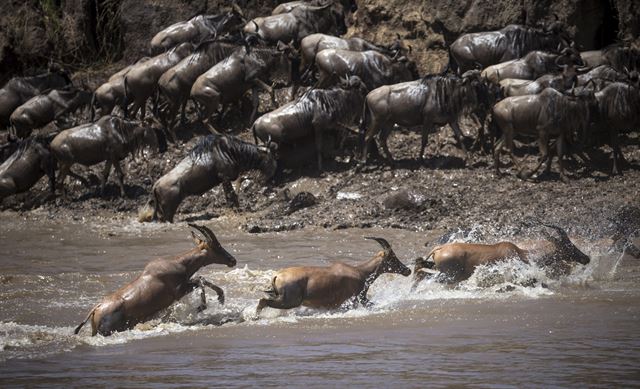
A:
25,167
301,21
482,49
216,159
109,140
373,68
313,115
20,89
533,65
434,100
175,84
246,68
197,29
141,79
550,113
43,109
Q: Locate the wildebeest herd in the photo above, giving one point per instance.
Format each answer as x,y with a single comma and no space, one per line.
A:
516,83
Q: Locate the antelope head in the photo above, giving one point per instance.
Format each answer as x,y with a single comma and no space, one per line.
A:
205,240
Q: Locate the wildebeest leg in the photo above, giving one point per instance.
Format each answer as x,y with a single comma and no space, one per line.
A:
317,132
120,174
543,145
426,129
384,137
183,114
64,171
255,101
561,151
105,176
617,153
459,137
266,88
230,194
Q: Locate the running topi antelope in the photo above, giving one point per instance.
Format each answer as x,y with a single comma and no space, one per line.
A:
329,287
162,282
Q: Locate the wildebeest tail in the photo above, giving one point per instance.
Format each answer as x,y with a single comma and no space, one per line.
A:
89,316
93,106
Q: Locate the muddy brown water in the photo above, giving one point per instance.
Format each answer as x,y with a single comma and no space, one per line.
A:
582,329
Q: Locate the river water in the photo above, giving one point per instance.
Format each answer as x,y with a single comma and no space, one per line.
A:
582,329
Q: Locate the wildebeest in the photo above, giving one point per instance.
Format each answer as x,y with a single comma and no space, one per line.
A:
197,29
313,114
20,89
550,113
618,110
43,109
175,84
329,287
228,80
111,94
314,43
434,100
25,167
482,49
300,22
600,76
141,81
532,65
110,139
215,159
289,6
458,261
618,56
374,69
162,282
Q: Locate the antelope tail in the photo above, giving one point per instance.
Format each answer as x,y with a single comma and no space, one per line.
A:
89,316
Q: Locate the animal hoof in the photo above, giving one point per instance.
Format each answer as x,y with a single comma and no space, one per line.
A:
221,299
201,308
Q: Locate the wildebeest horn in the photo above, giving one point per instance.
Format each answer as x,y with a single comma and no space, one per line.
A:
256,24
237,9
385,245
206,233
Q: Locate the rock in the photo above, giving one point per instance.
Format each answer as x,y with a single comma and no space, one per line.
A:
404,199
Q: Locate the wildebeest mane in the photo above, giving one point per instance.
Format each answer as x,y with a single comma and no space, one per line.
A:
125,129
622,57
567,112
450,95
624,104
229,151
521,40
338,102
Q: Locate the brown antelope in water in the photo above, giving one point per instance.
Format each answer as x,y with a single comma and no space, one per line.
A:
330,287
163,281
458,261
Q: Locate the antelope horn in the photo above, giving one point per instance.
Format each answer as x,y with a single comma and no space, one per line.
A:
206,232
385,245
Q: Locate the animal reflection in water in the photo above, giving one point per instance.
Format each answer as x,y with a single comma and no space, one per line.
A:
330,287
455,262
162,282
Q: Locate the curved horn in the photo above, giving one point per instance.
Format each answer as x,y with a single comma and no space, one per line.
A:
206,232
385,245
256,24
